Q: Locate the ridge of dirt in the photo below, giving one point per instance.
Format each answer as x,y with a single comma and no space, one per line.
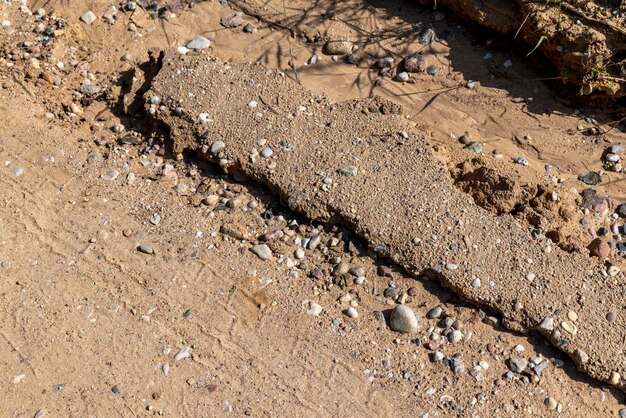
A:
367,149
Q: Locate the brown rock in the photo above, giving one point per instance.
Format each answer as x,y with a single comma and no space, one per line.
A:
416,63
599,248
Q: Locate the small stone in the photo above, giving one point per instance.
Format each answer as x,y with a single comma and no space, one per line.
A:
539,368
266,152
146,249
351,312
613,158
432,70
232,21
403,319
348,171
357,271
312,307
115,389
390,293
110,175
615,378
599,248
156,218
416,63
436,356
198,43
338,47
341,268
249,28
550,403
402,76
428,36
455,336
17,171
580,357
217,146
518,364
569,327
88,17
298,253
182,354
547,324
262,251
313,60
622,413
434,313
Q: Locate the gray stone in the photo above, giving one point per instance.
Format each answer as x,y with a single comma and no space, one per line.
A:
232,21
455,336
88,17
580,357
217,146
403,319
547,324
145,248
518,364
266,152
434,313
349,171
357,271
199,43
262,251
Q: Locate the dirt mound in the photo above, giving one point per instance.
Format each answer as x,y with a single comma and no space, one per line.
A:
375,173
584,40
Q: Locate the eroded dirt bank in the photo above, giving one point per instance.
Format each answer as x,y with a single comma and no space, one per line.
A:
362,164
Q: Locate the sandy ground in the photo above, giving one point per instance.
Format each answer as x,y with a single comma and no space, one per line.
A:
88,321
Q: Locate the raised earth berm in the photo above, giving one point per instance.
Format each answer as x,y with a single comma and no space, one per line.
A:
363,164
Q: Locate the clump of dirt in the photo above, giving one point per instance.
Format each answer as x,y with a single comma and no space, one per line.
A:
492,190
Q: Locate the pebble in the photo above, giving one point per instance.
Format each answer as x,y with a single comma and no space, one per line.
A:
518,364
427,37
434,313
432,70
249,28
386,62
252,104
17,171
115,389
232,21
348,171
615,378
416,63
217,146
390,292
146,249
547,324
455,336
550,403
110,175
612,157
312,307
599,248
569,327
182,354
622,413
580,357
338,47
403,319
352,312
521,161
266,152
262,251
313,60
357,271
156,218
198,43
437,356
402,76
88,17
298,253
